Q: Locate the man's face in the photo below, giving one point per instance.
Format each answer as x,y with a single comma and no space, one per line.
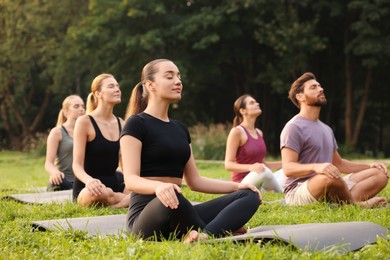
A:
313,94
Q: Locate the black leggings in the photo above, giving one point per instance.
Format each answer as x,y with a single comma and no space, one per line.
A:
149,218
64,185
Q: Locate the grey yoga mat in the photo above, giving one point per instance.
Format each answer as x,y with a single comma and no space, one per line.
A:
42,197
98,225
340,236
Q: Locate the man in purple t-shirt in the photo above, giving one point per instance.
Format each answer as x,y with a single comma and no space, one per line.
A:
311,162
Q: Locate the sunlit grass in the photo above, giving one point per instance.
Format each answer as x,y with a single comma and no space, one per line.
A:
21,171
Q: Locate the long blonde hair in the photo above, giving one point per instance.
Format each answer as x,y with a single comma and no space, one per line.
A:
139,96
92,101
65,107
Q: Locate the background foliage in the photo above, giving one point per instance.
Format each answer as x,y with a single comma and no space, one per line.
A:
50,49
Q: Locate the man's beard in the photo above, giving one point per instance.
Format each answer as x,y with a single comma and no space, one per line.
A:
317,102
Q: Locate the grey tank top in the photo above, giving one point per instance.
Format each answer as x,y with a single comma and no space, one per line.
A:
65,155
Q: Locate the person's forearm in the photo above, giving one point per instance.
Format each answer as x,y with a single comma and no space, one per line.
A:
80,173
346,166
296,170
237,167
51,168
141,185
214,186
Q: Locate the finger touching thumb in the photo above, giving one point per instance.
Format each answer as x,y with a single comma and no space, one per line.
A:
177,188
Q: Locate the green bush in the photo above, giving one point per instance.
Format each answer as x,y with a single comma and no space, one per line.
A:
37,144
209,142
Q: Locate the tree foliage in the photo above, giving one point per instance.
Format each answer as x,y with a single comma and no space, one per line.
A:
33,55
223,49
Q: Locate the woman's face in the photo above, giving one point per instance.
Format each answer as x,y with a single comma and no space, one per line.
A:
110,91
76,108
252,107
167,81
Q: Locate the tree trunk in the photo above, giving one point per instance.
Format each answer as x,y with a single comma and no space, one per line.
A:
348,101
42,111
362,109
20,131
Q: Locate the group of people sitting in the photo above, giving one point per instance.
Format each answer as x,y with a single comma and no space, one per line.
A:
140,163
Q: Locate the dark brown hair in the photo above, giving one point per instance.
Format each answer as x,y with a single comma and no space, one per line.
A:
238,104
297,87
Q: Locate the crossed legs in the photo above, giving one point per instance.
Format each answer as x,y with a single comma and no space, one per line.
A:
107,198
368,183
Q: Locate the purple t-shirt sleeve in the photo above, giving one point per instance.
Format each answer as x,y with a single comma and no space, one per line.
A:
291,138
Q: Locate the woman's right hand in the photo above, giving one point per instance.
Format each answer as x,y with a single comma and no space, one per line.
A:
165,192
95,187
257,167
56,178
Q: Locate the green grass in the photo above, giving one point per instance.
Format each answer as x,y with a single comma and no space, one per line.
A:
22,171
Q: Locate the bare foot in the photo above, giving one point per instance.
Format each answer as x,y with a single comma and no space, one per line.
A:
374,202
194,236
124,202
239,231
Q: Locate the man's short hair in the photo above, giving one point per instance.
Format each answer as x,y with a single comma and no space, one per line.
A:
297,87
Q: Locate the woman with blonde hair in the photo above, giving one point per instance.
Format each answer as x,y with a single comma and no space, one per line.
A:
246,149
59,151
96,148
157,155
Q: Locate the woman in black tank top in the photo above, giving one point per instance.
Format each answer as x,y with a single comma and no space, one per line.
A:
96,148
157,154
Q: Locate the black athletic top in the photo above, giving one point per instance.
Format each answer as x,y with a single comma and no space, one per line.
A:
101,161
101,155
165,145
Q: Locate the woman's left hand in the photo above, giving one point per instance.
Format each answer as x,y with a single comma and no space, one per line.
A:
243,186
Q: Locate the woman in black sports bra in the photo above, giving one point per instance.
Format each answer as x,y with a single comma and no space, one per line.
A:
157,155
96,148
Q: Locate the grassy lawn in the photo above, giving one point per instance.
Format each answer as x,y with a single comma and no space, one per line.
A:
22,171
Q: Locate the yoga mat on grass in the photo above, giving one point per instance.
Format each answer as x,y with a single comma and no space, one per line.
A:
98,225
341,236
42,197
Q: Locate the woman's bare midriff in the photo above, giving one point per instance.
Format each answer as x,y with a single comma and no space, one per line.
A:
177,181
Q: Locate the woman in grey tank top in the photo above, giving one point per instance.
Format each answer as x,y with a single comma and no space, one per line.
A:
59,151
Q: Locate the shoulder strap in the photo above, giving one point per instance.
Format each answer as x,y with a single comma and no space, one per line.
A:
258,132
243,130
95,126
119,125
64,129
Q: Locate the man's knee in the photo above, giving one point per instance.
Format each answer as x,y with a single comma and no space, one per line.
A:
326,181
381,178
